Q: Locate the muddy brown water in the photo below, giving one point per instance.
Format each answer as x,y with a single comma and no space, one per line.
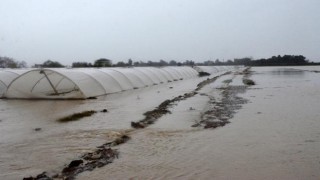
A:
274,136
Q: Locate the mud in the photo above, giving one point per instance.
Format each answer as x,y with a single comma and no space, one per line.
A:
76,116
162,109
100,157
248,82
209,81
220,111
201,74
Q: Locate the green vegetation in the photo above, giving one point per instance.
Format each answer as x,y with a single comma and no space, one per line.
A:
77,116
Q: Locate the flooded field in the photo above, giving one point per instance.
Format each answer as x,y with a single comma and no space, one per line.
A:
274,131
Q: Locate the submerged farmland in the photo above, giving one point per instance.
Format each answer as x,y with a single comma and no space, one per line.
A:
215,126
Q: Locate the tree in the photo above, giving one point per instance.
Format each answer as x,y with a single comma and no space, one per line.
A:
81,64
121,64
189,63
51,64
243,61
229,62
6,62
172,63
163,63
217,62
102,62
208,63
130,62
22,64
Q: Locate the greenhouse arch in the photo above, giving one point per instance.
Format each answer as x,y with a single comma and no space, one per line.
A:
82,83
43,83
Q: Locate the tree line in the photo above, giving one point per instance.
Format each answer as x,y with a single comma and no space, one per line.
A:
286,60
108,63
6,62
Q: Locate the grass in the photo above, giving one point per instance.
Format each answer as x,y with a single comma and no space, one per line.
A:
77,116
248,82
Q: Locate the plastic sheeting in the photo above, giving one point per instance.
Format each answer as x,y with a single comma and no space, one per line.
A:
6,77
82,83
213,69
88,82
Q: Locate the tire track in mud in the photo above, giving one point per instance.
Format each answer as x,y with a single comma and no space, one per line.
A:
106,154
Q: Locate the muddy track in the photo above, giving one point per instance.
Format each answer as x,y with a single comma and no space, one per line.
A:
163,108
221,111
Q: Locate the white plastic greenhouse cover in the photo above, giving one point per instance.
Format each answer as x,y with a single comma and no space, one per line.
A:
6,77
213,69
84,83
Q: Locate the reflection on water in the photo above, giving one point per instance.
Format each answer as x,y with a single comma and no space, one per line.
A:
288,72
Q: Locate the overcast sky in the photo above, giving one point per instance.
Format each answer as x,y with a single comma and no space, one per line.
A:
198,30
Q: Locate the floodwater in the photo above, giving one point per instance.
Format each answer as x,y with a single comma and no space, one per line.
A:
274,136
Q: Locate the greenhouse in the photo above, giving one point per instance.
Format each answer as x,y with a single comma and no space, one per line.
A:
6,77
82,83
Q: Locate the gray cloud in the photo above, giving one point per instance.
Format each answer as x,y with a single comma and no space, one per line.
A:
84,30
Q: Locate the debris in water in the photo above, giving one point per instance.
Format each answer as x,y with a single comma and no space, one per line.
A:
137,125
104,110
92,98
77,116
37,129
42,176
75,163
248,82
201,74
